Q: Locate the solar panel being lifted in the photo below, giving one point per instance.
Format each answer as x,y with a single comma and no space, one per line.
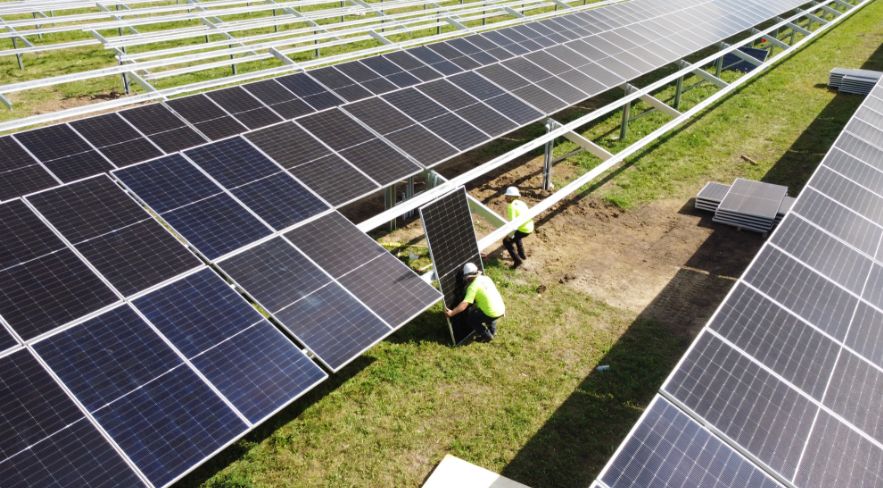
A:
786,369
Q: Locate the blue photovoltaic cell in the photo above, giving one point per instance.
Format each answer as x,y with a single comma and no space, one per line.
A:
6,340
170,425
217,225
108,356
256,367
280,200
25,236
233,162
197,312
259,370
167,183
663,452
333,325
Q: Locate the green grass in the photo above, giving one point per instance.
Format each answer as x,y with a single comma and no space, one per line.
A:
530,405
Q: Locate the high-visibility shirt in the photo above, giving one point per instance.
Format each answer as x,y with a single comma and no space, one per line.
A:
483,293
516,209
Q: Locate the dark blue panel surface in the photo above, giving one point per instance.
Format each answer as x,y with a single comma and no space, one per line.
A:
170,425
216,225
335,244
232,162
108,356
197,312
280,200
668,448
333,325
25,236
275,273
259,370
32,405
6,340
77,456
168,183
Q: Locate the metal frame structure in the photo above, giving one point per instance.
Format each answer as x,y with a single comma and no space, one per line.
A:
377,27
557,130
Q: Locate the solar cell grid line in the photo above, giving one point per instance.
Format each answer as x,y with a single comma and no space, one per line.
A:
412,65
245,107
44,283
468,108
310,91
859,141
713,378
250,361
366,77
672,438
47,439
63,152
838,220
212,220
849,194
342,85
169,132
114,137
206,116
472,51
21,173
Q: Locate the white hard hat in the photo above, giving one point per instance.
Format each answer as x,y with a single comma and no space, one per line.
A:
470,269
512,191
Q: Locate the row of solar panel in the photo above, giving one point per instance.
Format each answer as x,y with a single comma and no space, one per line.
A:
790,368
140,332
431,102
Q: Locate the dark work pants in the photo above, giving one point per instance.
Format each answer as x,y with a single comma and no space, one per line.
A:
483,325
511,242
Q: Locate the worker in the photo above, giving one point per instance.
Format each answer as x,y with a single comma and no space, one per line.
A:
516,208
482,303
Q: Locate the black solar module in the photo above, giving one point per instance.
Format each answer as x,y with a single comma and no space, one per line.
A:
45,439
341,84
671,439
333,324
244,107
114,234
335,244
162,127
288,144
20,173
379,115
415,67
116,139
456,131
366,77
436,62
390,289
422,145
280,99
336,129
310,91
43,284
335,180
380,162
198,209
54,142
206,116
229,342
163,416
447,223
258,182
6,340
415,104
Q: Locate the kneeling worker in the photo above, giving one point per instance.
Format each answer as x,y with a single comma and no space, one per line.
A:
514,210
486,303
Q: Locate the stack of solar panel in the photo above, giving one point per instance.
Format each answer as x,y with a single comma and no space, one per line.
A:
856,81
710,196
751,205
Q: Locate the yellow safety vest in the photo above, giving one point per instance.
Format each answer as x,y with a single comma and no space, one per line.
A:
517,208
483,293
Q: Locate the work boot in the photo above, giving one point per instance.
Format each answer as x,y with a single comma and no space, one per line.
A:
517,263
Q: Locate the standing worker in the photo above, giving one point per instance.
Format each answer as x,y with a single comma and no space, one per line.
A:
515,209
482,303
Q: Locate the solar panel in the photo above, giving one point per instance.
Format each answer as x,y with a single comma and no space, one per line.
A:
258,182
669,438
206,116
335,244
194,206
20,173
335,180
336,129
340,84
279,98
114,233
163,416
44,438
447,223
162,127
116,139
785,370
305,300
249,361
63,152
314,94
246,108
44,285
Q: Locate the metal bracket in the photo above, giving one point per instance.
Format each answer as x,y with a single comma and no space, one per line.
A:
772,39
6,101
813,17
704,74
281,57
141,81
561,4
582,142
656,103
513,12
799,29
378,37
830,10
455,23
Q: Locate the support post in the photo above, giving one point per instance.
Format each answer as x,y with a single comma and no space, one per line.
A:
389,201
409,194
679,90
21,64
626,115
547,158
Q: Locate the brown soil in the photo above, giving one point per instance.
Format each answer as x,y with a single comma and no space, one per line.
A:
664,261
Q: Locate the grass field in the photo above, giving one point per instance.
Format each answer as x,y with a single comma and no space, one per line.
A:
530,404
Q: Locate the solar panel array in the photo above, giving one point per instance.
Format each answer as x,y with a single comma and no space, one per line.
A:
447,223
404,111
783,385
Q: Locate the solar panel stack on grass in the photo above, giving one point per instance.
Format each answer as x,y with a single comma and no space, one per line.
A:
710,196
855,81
